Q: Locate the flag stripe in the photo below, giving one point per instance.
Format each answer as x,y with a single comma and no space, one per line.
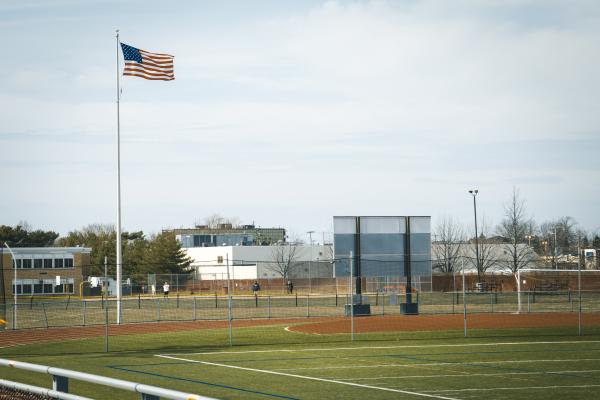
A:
152,56
160,65
136,66
156,54
151,78
136,73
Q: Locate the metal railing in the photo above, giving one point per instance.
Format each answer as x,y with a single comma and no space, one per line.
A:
60,383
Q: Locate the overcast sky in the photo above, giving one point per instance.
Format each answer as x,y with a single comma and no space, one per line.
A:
286,113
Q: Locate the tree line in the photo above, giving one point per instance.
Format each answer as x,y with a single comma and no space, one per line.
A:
518,236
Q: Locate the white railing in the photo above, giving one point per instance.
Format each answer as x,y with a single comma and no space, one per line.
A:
60,383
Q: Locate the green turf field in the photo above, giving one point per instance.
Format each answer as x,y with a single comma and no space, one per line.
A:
519,364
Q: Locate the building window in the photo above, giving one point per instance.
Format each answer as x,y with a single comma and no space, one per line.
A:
26,263
26,288
46,286
68,263
37,263
47,263
220,259
58,263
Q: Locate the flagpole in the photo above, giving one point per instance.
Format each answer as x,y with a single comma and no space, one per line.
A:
119,246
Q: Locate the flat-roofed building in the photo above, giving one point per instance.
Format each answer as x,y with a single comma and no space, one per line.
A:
228,235
38,269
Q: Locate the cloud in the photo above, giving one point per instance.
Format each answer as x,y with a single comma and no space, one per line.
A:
414,100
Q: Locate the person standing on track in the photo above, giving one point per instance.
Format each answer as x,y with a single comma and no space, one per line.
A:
166,289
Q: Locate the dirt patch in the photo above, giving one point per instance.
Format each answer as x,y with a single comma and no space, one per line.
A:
394,323
10,338
325,325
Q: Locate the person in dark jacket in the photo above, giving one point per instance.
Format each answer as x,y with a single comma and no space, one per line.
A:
290,287
255,288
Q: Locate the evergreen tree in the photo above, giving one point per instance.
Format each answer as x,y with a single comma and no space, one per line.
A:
164,255
23,236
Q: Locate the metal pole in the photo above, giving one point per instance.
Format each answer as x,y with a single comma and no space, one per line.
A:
105,285
14,286
229,313
352,294
474,194
464,297
310,261
519,291
555,252
580,327
453,284
119,255
106,327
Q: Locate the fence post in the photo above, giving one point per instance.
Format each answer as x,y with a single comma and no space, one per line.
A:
297,299
269,305
376,298
177,298
255,300
45,315
382,303
492,301
194,307
106,327
139,301
84,310
528,301
157,309
307,305
216,301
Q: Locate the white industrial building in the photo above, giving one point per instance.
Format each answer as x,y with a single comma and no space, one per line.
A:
259,262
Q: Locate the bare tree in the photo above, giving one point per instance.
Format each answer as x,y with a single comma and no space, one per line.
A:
514,229
485,247
449,238
214,220
284,257
559,237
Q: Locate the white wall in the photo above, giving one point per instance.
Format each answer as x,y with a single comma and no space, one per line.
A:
261,257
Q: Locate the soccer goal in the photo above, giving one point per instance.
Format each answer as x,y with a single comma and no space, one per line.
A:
556,282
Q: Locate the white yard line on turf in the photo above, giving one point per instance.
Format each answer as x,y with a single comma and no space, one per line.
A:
469,374
436,363
265,371
427,346
514,388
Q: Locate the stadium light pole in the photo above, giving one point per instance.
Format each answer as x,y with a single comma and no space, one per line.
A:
310,260
474,194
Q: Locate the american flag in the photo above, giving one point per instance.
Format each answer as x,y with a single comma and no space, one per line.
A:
147,65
